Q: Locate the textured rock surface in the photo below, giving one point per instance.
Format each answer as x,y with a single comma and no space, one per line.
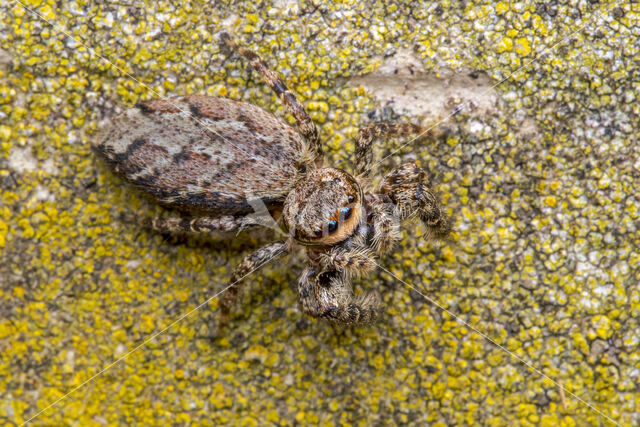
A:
543,185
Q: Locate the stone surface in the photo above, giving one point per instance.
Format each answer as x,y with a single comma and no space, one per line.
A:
543,185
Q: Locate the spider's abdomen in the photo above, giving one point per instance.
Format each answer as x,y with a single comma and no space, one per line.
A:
204,153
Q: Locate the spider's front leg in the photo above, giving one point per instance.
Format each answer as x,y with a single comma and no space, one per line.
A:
409,190
328,295
363,156
367,135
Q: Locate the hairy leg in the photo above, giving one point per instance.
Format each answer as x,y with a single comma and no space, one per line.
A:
328,295
248,265
293,106
365,137
408,188
223,225
197,224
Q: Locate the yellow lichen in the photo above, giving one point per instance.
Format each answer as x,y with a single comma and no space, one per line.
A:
541,259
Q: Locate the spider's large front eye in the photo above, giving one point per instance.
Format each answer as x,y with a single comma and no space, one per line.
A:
345,213
332,225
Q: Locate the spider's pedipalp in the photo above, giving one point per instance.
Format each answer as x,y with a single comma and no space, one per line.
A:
386,227
354,262
328,295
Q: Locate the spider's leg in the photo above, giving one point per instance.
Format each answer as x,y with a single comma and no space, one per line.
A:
249,264
408,188
221,225
328,295
363,156
292,104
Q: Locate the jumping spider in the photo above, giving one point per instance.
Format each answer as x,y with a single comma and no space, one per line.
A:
211,156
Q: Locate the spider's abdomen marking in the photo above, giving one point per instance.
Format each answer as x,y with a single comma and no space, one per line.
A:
204,153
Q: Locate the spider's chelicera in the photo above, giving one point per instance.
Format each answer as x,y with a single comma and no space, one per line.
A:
208,157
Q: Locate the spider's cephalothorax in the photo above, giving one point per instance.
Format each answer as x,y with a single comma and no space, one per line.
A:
211,157
324,208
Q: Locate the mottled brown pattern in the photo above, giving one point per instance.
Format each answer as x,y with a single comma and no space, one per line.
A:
218,156
214,163
159,106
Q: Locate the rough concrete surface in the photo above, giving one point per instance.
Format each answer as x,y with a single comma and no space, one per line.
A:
541,172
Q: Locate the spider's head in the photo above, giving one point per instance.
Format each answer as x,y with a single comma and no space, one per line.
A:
324,208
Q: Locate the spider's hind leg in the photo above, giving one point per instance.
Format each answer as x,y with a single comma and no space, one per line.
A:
222,226
292,104
249,264
408,188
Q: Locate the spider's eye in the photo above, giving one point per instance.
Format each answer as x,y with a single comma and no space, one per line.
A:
317,232
333,225
345,213
351,198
